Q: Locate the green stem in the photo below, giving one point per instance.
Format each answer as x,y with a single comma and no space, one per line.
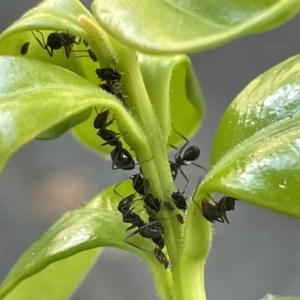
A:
147,137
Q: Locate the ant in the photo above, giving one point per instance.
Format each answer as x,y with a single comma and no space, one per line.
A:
121,158
140,184
24,48
125,204
57,40
152,202
159,241
184,158
101,122
218,211
151,230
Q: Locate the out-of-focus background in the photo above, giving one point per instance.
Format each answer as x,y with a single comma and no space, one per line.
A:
258,253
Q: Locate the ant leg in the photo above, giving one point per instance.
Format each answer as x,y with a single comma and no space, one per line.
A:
187,180
197,185
116,138
192,163
178,154
42,44
131,235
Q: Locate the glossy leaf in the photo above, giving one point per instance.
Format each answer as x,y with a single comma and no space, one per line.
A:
174,94
187,26
93,225
256,150
51,16
37,103
57,281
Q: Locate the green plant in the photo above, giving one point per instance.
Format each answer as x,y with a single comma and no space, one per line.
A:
162,90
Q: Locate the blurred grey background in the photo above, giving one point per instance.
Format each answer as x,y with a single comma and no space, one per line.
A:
257,253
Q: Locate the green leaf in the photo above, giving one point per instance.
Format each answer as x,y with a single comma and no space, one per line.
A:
50,16
272,297
57,281
37,103
256,150
93,225
174,94
187,26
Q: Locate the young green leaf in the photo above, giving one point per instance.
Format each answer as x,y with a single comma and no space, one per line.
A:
35,103
161,26
256,150
93,225
49,17
57,281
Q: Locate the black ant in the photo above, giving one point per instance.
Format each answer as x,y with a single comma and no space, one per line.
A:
125,204
228,202
189,156
218,211
101,122
152,202
151,230
57,40
159,241
24,48
140,184
161,257
121,158
134,219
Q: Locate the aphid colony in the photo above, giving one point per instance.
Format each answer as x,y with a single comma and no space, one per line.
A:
122,159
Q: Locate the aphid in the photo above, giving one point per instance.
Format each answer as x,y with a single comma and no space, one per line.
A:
161,257
180,218
168,206
179,200
24,48
108,74
113,88
57,40
90,53
184,158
